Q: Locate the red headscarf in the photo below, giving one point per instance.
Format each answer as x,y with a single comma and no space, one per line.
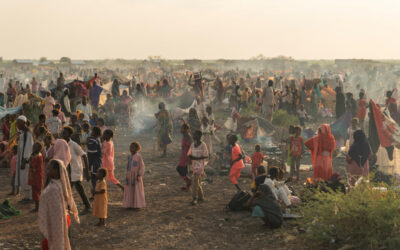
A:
324,141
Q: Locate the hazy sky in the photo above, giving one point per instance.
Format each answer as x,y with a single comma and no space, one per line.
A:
205,29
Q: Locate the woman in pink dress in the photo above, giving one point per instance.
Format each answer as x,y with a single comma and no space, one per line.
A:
134,189
108,157
48,105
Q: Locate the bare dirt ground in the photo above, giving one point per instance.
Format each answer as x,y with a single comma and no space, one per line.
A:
168,222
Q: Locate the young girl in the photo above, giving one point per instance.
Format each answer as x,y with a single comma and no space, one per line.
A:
182,167
36,173
198,153
256,159
134,189
13,166
108,157
100,197
296,151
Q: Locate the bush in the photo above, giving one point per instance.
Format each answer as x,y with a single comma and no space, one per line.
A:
281,118
361,219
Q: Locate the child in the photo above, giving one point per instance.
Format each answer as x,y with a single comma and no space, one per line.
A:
41,123
259,179
134,189
236,161
302,115
94,154
108,157
13,167
198,153
296,150
100,197
85,134
207,134
36,173
182,167
100,123
256,160
258,102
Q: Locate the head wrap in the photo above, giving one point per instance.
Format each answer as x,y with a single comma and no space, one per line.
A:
360,150
22,118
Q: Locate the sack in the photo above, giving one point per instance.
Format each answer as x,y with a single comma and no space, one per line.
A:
239,200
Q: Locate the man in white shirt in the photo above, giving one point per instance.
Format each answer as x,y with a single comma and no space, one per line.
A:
25,145
85,108
75,168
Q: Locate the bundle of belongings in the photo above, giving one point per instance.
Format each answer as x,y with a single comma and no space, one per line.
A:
7,211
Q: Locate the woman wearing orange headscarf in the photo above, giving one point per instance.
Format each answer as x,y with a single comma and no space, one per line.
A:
321,148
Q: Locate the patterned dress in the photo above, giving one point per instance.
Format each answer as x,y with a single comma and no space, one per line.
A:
134,189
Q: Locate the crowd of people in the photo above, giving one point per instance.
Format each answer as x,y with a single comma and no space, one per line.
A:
72,142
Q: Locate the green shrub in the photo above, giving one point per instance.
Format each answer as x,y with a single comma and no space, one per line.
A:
361,219
281,118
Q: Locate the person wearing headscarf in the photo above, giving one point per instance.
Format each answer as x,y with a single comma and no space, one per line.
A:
357,157
165,128
55,206
321,147
61,151
194,121
266,206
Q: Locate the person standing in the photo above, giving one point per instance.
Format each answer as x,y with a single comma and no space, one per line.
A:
358,157
94,153
165,128
108,157
25,145
35,85
78,167
55,206
85,108
198,153
66,104
340,102
60,81
361,110
268,100
48,105
322,147
134,189
236,160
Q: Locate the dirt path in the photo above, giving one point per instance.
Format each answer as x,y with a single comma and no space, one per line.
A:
168,222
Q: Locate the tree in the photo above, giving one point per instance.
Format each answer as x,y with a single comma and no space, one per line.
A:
65,60
43,59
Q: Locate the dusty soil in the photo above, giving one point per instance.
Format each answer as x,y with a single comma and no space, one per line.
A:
168,222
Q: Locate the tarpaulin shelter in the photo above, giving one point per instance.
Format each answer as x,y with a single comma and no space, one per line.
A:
9,111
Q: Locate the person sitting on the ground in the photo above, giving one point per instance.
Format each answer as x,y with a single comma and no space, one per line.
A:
266,206
259,179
